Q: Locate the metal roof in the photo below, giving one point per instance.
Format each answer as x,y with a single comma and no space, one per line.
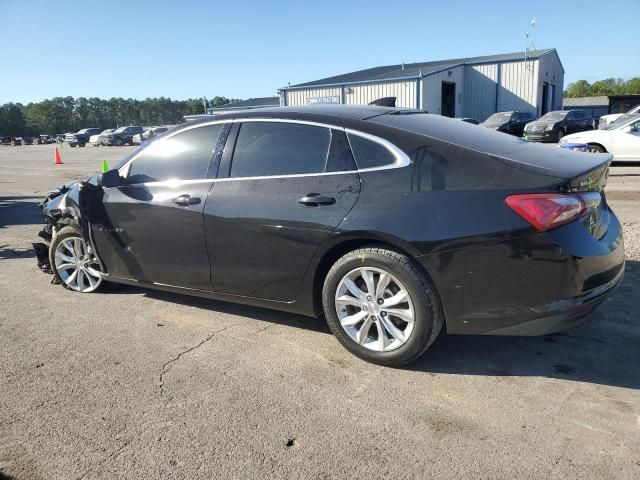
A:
415,70
586,102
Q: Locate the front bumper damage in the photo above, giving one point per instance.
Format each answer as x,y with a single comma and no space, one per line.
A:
61,207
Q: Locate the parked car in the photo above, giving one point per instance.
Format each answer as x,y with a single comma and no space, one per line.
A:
60,137
552,126
509,122
121,136
44,139
81,137
96,140
390,225
149,134
622,139
606,120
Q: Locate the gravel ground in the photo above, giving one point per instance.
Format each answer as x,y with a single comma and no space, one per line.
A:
143,384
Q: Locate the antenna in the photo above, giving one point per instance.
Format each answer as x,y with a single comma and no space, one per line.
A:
529,44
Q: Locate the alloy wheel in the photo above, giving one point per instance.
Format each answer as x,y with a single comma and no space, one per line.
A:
375,309
77,267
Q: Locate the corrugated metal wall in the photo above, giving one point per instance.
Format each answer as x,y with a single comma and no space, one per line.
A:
432,90
518,86
405,93
550,71
480,91
297,98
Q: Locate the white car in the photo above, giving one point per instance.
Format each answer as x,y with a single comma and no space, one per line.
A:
621,139
95,139
607,120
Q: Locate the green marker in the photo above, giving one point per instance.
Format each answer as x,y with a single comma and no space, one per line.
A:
105,166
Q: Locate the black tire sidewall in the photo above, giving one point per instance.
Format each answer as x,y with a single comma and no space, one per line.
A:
424,311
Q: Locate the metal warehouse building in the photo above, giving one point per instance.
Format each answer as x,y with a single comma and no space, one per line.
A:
466,87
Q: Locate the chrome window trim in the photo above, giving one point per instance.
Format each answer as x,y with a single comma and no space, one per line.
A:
401,158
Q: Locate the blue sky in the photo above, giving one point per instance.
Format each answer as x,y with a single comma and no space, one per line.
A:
239,49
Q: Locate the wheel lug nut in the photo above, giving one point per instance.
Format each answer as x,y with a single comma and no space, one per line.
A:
364,308
369,299
380,301
384,314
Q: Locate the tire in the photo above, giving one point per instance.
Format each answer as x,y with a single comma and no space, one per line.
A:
118,142
81,144
593,148
69,249
559,135
403,274
72,145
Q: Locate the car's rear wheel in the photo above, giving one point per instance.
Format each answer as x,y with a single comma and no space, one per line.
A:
381,306
593,148
74,266
72,145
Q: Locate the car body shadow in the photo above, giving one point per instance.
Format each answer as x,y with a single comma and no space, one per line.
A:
20,211
604,350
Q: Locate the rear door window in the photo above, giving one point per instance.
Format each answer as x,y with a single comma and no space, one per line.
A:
279,148
184,156
370,154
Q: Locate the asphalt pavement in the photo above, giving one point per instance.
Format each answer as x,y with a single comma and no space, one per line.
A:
134,383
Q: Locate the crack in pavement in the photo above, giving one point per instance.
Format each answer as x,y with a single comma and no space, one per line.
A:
167,366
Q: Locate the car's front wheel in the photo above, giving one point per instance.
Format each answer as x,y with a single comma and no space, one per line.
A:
559,135
74,266
381,306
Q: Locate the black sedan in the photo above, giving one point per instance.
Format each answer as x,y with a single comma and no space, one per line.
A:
552,126
392,224
512,123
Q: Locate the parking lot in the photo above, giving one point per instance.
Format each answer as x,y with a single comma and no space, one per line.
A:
145,384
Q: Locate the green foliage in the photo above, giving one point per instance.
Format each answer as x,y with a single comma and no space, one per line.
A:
609,86
68,114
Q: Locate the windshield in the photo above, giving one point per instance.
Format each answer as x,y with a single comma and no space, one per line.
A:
555,116
109,130
84,130
623,121
120,130
501,117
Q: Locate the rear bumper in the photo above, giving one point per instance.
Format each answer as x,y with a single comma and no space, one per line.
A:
571,313
532,285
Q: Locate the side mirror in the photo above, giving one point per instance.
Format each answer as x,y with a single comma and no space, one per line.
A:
111,178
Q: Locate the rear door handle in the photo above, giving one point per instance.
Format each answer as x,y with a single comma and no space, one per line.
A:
315,200
185,200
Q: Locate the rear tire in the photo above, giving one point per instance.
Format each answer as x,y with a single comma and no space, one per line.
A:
391,316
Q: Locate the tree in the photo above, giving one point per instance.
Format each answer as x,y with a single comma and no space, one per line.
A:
608,86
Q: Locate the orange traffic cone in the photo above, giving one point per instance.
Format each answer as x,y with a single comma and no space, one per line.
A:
57,157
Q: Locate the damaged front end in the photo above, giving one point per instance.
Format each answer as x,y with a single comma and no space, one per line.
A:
62,207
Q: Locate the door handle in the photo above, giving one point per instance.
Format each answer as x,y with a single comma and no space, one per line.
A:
185,200
315,200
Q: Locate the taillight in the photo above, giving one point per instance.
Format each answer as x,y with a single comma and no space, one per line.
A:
550,210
